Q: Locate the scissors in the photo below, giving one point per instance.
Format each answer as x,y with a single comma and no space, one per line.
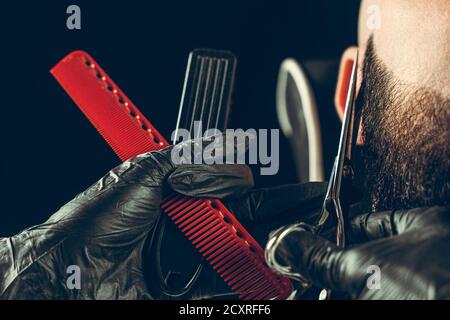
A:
336,203
335,207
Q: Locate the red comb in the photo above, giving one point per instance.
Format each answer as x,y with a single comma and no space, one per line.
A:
210,227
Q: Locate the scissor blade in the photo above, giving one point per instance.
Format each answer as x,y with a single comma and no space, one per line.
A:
332,207
346,139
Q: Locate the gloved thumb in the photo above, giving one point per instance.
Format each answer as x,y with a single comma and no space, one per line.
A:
221,181
157,166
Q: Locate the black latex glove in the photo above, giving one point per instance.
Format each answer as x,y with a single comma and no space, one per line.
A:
410,248
105,230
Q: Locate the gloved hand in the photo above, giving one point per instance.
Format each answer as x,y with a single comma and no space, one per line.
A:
106,229
409,248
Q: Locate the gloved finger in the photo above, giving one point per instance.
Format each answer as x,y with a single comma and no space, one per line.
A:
279,204
149,170
372,226
317,260
217,149
221,181
156,166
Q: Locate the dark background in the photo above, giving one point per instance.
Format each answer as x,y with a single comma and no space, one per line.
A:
50,152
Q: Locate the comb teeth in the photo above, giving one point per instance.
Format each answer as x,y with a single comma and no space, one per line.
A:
207,90
231,251
212,229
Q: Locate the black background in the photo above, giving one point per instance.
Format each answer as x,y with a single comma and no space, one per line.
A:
50,152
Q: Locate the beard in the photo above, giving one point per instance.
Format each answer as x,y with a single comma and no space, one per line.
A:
406,135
